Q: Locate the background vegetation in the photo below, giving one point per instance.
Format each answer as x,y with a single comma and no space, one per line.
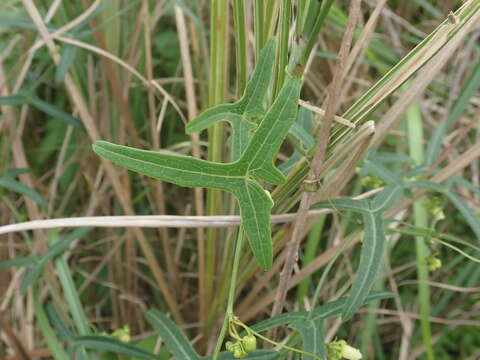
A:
136,72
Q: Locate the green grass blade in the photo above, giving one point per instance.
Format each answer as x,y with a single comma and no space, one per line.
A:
10,183
66,60
69,291
53,343
107,343
171,335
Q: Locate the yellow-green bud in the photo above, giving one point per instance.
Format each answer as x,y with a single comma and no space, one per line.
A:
249,343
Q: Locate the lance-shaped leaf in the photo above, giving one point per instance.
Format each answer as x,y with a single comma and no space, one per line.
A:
370,261
373,242
313,336
325,311
256,161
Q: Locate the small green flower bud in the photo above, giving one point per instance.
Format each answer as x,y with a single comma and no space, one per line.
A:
122,334
229,346
249,343
239,353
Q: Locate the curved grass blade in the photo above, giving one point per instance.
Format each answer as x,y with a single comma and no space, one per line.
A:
370,261
10,183
107,343
178,344
53,343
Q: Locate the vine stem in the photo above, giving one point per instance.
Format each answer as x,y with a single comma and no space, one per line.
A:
260,336
231,293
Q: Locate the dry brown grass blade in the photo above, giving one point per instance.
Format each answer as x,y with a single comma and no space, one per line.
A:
78,101
192,113
322,144
426,75
147,221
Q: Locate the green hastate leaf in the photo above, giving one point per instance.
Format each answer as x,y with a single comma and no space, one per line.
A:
370,261
178,344
254,202
257,161
313,336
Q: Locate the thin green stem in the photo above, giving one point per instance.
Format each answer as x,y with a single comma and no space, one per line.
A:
264,338
312,37
217,86
258,26
240,45
311,247
415,142
281,58
231,293
325,273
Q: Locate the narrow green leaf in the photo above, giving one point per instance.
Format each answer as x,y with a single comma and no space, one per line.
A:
32,274
325,311
360,206
62,330
66,60
55,112
14,185
313,336
387,198
30,277
178,344
107,343
381,171
19,261
68,286
54,345
370,261
61,246
18,99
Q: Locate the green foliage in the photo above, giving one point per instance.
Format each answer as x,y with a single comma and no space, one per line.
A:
239,178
